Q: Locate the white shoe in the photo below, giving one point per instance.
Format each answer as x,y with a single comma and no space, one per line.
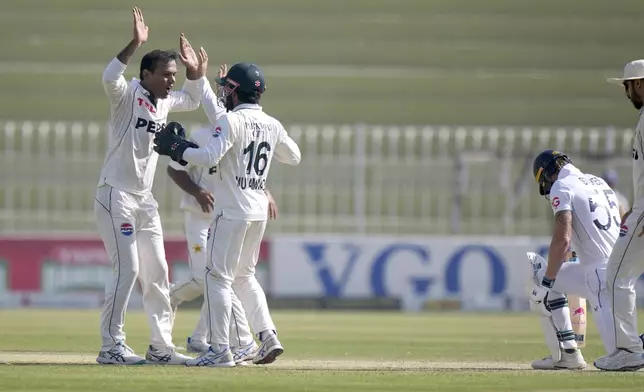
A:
621,361
268,351
213,359
196,346
245,353
120,354
574,361
166,356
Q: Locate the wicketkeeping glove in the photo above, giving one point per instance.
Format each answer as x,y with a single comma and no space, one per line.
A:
171,141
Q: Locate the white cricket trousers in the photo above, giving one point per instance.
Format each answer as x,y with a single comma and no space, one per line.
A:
130,228
196,226
233,251
625,266
589,282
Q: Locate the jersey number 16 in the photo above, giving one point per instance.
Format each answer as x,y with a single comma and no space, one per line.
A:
258,161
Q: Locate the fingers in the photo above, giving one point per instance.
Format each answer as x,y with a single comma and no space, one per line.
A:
138,15
184,43
203,56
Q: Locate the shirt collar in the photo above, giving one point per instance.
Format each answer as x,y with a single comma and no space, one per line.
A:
567,170
252,106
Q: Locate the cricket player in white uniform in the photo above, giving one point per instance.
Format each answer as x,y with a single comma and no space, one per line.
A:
626,263
126,211
243,144
586,220
198,206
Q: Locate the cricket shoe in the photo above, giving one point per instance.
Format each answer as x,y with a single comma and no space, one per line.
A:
268,351
120,354
196,346
572,361
213,359
621,360
245,353
166,356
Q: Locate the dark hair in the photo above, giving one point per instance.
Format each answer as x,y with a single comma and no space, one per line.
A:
152,59
249,97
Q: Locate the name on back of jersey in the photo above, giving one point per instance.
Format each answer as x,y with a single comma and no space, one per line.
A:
255,184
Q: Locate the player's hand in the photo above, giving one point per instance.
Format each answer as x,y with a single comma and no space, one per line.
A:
187,54
272,206
206,200
202,69
539,297
223,71
625,216
169,142
140,35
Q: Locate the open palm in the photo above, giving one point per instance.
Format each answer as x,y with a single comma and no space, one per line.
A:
140,29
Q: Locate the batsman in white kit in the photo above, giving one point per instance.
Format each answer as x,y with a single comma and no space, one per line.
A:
586,220
197,204
126,212
626,263
243,144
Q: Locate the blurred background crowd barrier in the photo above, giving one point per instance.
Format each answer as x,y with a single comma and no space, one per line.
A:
418,121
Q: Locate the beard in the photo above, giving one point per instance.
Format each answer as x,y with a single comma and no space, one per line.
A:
229,103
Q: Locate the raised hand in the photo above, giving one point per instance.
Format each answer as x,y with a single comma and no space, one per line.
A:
140,33
223,71
203,62
187,55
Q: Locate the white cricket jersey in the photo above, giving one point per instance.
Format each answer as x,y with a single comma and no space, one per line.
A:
199,174
239,153
595,213
638,167
131,162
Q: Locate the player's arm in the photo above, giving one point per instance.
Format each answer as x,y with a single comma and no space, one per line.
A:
189,97
561,201
211,153
210,100
287,151
180,176
272,205
113,80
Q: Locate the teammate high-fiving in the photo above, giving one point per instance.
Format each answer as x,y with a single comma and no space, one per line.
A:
126,212
242,145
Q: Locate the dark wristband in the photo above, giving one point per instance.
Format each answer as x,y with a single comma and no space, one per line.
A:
546,282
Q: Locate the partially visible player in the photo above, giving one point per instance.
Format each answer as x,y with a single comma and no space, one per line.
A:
243,144
586,220
126,212
627,260
611,178
198,203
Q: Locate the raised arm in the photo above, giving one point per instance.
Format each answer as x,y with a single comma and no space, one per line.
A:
113,80
189,98
210,99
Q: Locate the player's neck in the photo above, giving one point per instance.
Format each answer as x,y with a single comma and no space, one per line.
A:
151,96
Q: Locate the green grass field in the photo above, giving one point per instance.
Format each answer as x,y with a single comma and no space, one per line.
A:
463,62
54,350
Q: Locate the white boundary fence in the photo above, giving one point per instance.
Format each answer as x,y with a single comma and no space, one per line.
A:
353,178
